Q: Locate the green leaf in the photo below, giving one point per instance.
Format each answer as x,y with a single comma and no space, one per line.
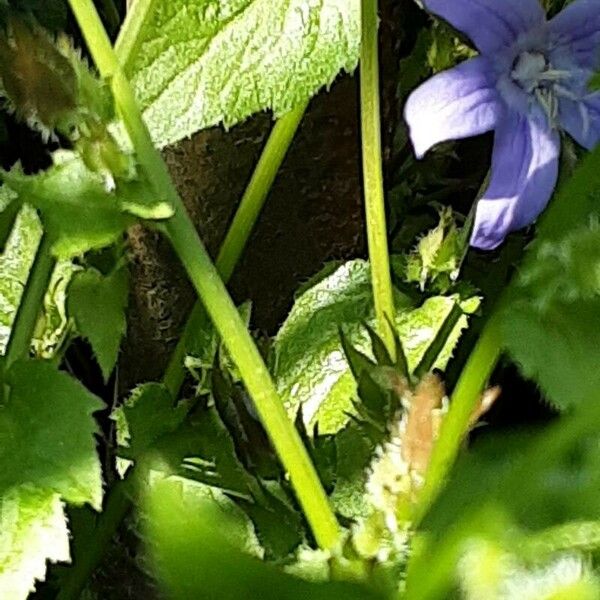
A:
278,527
15,264
78,210
551,319
47,434
309,364
147,415
97,303
47,457
195,558
196,63
355,450
33,530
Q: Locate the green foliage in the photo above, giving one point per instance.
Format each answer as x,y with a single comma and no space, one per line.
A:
147,415
552,314
97,303
62,457
195,64
309,364
520,499
33,530
47,457
78,210
194,557
435,262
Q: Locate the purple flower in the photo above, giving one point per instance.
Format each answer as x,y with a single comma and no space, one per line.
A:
530,79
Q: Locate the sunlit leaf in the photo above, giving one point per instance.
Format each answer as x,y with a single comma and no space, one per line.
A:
310,366
33,530
78,210
198,63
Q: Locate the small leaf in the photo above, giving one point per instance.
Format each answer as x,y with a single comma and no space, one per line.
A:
278,527
196,63
147,415
78,211
97,303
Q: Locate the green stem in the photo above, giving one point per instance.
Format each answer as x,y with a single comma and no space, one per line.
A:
31,303
258,188
467,393
373,175
212,291
239,231
129,36
250,206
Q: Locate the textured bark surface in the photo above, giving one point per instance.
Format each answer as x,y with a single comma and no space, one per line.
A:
313,214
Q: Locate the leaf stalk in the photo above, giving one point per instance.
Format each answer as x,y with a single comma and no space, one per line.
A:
373,175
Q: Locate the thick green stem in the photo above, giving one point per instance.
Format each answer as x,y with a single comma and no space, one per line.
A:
31,303
373,175
467,394
239,231
212,291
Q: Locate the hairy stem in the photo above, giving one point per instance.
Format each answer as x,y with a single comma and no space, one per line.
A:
467,393
31,303
373,175
239,231
212,291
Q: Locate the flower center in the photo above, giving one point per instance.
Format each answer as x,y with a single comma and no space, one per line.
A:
534,74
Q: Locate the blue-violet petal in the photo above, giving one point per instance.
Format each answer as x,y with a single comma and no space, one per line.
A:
524,173
491,24
576,30
454,104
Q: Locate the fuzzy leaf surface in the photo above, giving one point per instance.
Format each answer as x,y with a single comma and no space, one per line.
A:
197,63
97,303
310,367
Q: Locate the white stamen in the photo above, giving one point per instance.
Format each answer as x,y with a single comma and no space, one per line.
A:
535,75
